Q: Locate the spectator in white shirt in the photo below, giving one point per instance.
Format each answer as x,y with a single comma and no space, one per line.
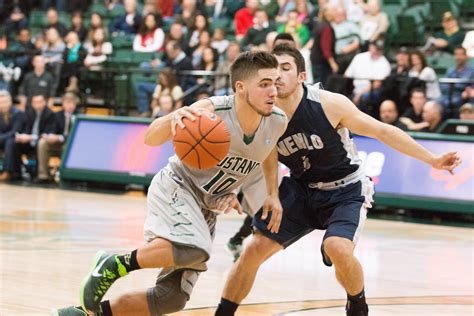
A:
421,70
368,69
150,36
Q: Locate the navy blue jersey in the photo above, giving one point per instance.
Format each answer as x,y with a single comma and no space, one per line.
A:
312,148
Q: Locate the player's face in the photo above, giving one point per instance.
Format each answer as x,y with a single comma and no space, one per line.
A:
289,79
260,91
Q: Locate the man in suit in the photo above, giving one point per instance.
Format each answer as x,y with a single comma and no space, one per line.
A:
12,121
52,144
39,120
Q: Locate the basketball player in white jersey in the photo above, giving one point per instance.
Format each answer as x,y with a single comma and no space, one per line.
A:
180,223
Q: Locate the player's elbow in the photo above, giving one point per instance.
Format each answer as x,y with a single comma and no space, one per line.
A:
386,132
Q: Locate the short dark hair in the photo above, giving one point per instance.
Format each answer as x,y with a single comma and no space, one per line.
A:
284,36
420,90
460,47
285,49
248,63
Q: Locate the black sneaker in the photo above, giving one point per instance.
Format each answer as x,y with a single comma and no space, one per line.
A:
357,309
326,260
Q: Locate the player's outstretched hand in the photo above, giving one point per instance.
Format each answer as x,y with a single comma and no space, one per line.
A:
447,161
228,203
272,204
179,114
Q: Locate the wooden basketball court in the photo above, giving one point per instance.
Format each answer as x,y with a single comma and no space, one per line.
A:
48,238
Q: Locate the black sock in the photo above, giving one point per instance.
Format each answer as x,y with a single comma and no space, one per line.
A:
105,309
129,260
226,308
244,231
358,298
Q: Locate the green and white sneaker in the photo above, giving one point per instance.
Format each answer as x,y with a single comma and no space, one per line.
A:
70,311
106,269
234,249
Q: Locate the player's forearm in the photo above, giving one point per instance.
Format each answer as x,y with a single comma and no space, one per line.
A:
159,131
270,172
404,143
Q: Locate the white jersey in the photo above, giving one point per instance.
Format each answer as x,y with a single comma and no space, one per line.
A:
244,157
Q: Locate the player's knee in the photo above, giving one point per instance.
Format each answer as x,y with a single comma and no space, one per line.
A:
185,256
338,249
171,294
258,250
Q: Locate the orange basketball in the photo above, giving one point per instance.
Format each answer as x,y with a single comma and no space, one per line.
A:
202,143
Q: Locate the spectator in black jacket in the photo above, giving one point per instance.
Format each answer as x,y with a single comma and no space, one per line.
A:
12,121
53,21
389,114
39,120
177,60
128,23
53,144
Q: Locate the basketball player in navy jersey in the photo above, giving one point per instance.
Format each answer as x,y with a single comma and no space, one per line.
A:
327,188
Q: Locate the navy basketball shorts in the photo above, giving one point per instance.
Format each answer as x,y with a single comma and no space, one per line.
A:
341,212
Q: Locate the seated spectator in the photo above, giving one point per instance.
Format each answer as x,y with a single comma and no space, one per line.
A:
12,121
466,112
129,23
150,37
412,117
164,105
176,59
222,84
421,70
298,30
197,51
39,120
374,24
368,69
73,57
219,41
97,22
347,39
52,51
15,14
257,34
243,19
468,44
199,25
389,114
23,43
177,33
432,116
398,85
451,98
53,144
98,49
446,40
209,62
167,85
39,81
53,22
402,66
77,25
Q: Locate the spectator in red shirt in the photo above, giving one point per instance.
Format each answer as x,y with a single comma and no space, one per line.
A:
244,18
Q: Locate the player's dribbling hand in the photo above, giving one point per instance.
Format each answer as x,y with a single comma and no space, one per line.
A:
272,204
228,203
447,161
180,114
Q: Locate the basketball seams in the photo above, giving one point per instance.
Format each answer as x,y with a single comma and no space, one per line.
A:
199,142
